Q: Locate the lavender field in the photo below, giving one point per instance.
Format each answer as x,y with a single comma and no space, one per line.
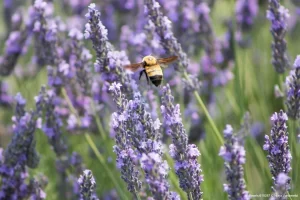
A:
75,123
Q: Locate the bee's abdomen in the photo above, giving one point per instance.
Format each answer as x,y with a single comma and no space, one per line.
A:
156,80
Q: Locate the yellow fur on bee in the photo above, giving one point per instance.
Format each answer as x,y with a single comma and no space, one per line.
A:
153,70
150,60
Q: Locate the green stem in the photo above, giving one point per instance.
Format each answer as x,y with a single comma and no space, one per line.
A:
98,122
210,120
102,161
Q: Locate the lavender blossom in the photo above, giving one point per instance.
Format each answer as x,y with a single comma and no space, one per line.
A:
246,11
167,38
144,140
281,187
13,49
80,58
53,122
185,155
278,16
126,156
109,62
43,34
20,154
233,154
279,155
293,91
87,186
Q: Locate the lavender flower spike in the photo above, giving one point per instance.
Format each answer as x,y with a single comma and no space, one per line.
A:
20,153
185,155
279,155
293,91
278,16
233,154
142,138
126,156
109,62
87,185
246,11
163,29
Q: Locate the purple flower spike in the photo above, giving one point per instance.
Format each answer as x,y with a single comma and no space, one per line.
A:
126,156
279,155
278,16
185,155
87,186
293,91
234,154
109,63
140,141
246,11
19,155
167,39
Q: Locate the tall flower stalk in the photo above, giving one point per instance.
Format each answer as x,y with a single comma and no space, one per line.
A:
109,62
185,155
278,15
87,186
279,155
126,156
19,155
143,140
233,154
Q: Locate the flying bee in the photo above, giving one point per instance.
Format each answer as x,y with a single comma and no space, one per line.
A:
152,68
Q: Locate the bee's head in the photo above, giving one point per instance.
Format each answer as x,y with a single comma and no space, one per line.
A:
149,60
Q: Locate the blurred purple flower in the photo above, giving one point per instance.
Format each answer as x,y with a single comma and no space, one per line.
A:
281,187
279,155
185,155
234,156
278,16
293,91
246,11
19,154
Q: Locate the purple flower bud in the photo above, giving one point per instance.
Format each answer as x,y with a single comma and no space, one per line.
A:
246,11
279,155
278,15
293,91
87,186
185,155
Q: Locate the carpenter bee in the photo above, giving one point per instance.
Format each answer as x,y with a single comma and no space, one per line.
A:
152,68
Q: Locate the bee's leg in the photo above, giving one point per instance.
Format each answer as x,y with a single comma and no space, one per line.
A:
147,77
141,73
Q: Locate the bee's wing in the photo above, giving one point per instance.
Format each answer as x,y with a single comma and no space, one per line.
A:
167,60
133,67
